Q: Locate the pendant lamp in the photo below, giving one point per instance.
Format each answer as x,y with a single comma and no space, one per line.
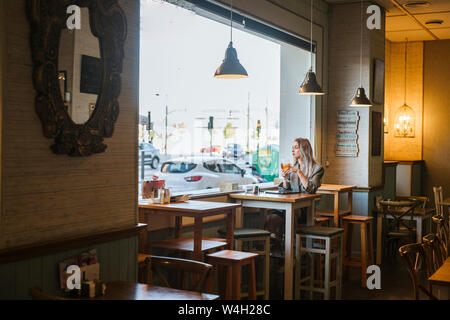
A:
405,117
231,68
310,86
360,99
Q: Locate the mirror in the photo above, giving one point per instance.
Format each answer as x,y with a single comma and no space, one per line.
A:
77,73
80,70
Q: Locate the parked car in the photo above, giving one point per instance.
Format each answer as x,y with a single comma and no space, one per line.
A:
196,173
234,150
215,149
151,156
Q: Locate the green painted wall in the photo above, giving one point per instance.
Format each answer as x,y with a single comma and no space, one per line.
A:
118,261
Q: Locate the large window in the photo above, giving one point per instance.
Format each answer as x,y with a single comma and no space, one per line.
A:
181,47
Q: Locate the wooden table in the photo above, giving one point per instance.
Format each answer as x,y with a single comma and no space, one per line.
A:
420,215
441,278
122,290
336,190
289,203
194,209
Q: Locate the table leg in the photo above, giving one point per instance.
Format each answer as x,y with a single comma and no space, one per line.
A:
239,217
198,239
379,234
419,230
336,210
310,214
262,218
178,227
289,251
230,228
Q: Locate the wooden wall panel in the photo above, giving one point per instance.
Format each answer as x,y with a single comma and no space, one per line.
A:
46,196
117,262
404,148
436,129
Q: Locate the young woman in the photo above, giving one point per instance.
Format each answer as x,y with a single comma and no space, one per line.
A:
305,174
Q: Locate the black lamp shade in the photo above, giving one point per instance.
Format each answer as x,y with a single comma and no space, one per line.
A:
360,99
310,85
231,68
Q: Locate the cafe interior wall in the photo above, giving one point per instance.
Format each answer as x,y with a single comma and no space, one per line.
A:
365,170
398,148
46,197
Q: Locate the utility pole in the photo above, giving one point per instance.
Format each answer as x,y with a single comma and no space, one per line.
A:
248,125
258,132
166,128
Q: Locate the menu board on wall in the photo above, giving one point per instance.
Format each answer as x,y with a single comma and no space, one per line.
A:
347,134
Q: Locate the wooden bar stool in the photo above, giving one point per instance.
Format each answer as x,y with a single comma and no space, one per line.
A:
229,264
320,241
366,258
249,237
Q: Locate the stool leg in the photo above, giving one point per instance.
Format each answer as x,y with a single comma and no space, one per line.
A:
339,268
347,246
267,270
298,267
370,240
312,278
236,287
251,281
222,281
327,269
363,255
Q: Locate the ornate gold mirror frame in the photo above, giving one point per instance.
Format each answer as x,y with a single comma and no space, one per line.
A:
108,23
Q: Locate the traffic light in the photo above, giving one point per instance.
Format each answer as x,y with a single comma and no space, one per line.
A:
258,127
211,123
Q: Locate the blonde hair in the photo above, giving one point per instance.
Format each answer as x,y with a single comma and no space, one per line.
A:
306,153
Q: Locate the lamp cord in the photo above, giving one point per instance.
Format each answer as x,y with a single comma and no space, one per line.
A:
231,20
361,49
312,6
406,63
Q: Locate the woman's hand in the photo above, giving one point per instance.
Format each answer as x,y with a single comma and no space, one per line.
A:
285,174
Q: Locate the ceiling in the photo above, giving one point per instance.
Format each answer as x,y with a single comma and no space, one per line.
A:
411,22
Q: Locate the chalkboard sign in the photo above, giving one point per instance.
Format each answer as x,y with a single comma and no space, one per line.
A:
376,134
91,75
347,134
